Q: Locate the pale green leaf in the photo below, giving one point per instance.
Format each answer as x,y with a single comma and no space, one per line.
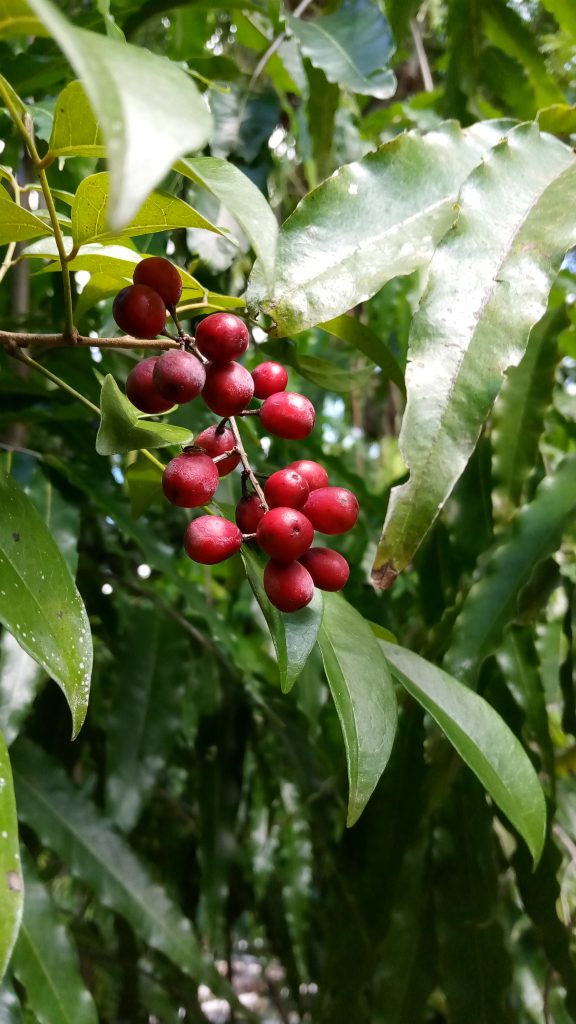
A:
363,338
16,19
11,886
75,130
123,430
17,224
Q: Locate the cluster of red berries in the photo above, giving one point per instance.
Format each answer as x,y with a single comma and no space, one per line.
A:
295,501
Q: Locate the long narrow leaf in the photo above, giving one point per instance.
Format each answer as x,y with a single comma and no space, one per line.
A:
11,887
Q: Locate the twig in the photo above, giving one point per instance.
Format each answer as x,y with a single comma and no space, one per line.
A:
275,45
246,464
13,339
423,64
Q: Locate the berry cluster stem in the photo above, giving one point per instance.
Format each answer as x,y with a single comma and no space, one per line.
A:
246,463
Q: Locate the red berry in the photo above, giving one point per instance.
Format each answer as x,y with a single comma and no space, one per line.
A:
314,474
288,415
289,586
141,390
190,480
328,569
284,534
216,441
269,379
139,311
286,487
211,539
332,509
179,376
228,388
249,512
162,276
222,337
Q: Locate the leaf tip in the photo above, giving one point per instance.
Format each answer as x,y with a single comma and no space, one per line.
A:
383,576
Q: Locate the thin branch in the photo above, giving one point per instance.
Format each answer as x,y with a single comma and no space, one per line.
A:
14,339
275,45
246,464
421,56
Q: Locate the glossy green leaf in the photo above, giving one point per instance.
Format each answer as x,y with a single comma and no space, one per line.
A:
17,224
488,285
11,886
123,430
364,339
352,46
293,635
159,212
333,252
39,602
363,694
75,130
170,109
20,678
46,963
481,737
16,19
242,198
491,603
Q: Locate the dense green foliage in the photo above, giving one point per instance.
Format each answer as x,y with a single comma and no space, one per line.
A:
387,193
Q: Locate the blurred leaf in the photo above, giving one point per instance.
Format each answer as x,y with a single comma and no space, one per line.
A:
482,739
363,338
122,428
159,212
16,223
363,694
507,29
518,661
488,285
491,603
75,130
39,602
20,677
144,481
565,14
559,119
10,1009
170,109
333,252
11,887
321,372
16,19
46,962
352,46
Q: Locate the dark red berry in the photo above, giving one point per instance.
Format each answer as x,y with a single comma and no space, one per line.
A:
289,586
249,512
287,414
228,388
328,569
190,480
269,379
314,474
332,509
139,311
211,539
286,487
284,534
141,390
215,442
179,376
162,276
222,337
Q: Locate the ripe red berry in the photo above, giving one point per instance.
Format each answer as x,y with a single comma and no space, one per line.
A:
162,276
141,390
269,379
289,586
286,487
190,480
216,441
139,311
287,414
222,337
228,388
332,509
328,569
284,534
249,512
179,376
314,474
211,539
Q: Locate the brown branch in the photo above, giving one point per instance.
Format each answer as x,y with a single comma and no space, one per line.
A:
14,339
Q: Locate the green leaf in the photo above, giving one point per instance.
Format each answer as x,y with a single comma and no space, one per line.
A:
559,119
518,661
363,338
322,372
144,482
488,285
506,29
17,224
20,678
11,887
565,14
16,19
491,603
122,430
75,130
352,46
481,737
10,1009
363,693
334,252
242,198
293,635
39,602
169,110
46,962
159,212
